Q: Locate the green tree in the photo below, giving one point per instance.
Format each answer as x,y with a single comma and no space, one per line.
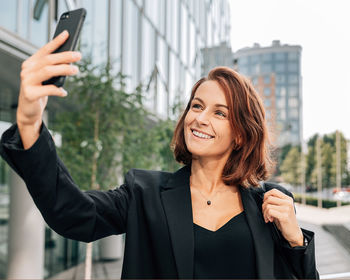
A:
328,160
106,130
291,166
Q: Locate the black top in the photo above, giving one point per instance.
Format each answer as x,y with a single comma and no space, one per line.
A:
225,253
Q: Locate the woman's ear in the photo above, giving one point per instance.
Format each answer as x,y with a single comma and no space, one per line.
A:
237,142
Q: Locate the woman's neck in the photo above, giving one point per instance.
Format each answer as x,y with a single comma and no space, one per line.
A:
207,175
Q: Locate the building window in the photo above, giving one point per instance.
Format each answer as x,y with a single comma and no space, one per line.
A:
267,91
280,67
293,113
162,59
243,70
8,15
148,51
256,69
293,91
280,56
192,46
280,103
39,27
293,56
266,68
267,102
293,67
152,11
266,57
293,79
254,59
130,51
281,91
243,60
280,79
184,31
267,79
281,115
293,102
175,14
255,81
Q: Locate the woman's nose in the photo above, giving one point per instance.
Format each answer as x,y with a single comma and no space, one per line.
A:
203,117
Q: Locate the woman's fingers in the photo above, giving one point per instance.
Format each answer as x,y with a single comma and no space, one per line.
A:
50,71
52,45
277,205
63,58
33,93
48,90
274,200
271,212
54,59
31,64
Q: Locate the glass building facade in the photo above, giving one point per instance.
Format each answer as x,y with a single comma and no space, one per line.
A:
156,43
284,62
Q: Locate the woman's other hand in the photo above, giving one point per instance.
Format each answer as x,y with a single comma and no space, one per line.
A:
278,208
33,96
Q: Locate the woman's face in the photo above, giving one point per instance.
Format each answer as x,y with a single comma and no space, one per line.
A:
207,128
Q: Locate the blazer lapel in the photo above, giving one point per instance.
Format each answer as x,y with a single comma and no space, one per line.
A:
176,199
263,242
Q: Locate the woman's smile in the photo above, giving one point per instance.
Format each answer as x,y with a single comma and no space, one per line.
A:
200,134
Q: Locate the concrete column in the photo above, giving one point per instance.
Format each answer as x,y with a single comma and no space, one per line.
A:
26,235
111,247
26,232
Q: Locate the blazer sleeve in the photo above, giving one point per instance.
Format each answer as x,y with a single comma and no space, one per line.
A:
83,216
301,258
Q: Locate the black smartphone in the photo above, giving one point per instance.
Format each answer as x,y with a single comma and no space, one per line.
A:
72,21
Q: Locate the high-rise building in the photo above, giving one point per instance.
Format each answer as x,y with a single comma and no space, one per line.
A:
155,42
266,87
284,62
220,55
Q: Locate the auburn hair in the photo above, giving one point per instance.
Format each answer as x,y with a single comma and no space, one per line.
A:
249,161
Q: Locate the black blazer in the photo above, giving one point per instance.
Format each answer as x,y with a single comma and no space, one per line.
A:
153,208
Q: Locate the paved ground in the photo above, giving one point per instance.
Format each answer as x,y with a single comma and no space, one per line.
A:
333,261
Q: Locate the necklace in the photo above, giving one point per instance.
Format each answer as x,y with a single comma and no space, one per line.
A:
209,200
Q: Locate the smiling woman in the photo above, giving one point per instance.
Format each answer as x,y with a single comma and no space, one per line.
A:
225,109
209,219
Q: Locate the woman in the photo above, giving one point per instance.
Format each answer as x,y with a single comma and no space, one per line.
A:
203,221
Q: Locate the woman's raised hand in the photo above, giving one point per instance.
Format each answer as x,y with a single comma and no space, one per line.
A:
33,96
278,208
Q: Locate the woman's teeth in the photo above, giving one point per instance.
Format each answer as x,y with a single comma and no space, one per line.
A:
201,135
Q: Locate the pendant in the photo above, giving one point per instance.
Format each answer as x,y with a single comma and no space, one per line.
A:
208,202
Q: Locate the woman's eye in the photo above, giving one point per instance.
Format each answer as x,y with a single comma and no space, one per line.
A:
196,106
221,114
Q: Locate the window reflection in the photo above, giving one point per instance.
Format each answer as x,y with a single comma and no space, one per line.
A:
131,44
184,35
39,27
8,13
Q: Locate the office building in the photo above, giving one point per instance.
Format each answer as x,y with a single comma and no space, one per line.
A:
220,55
284,62
155,42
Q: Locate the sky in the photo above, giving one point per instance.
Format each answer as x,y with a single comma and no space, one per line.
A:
322,29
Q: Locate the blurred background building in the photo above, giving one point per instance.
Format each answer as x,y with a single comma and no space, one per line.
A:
220,55
155,42
276,73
